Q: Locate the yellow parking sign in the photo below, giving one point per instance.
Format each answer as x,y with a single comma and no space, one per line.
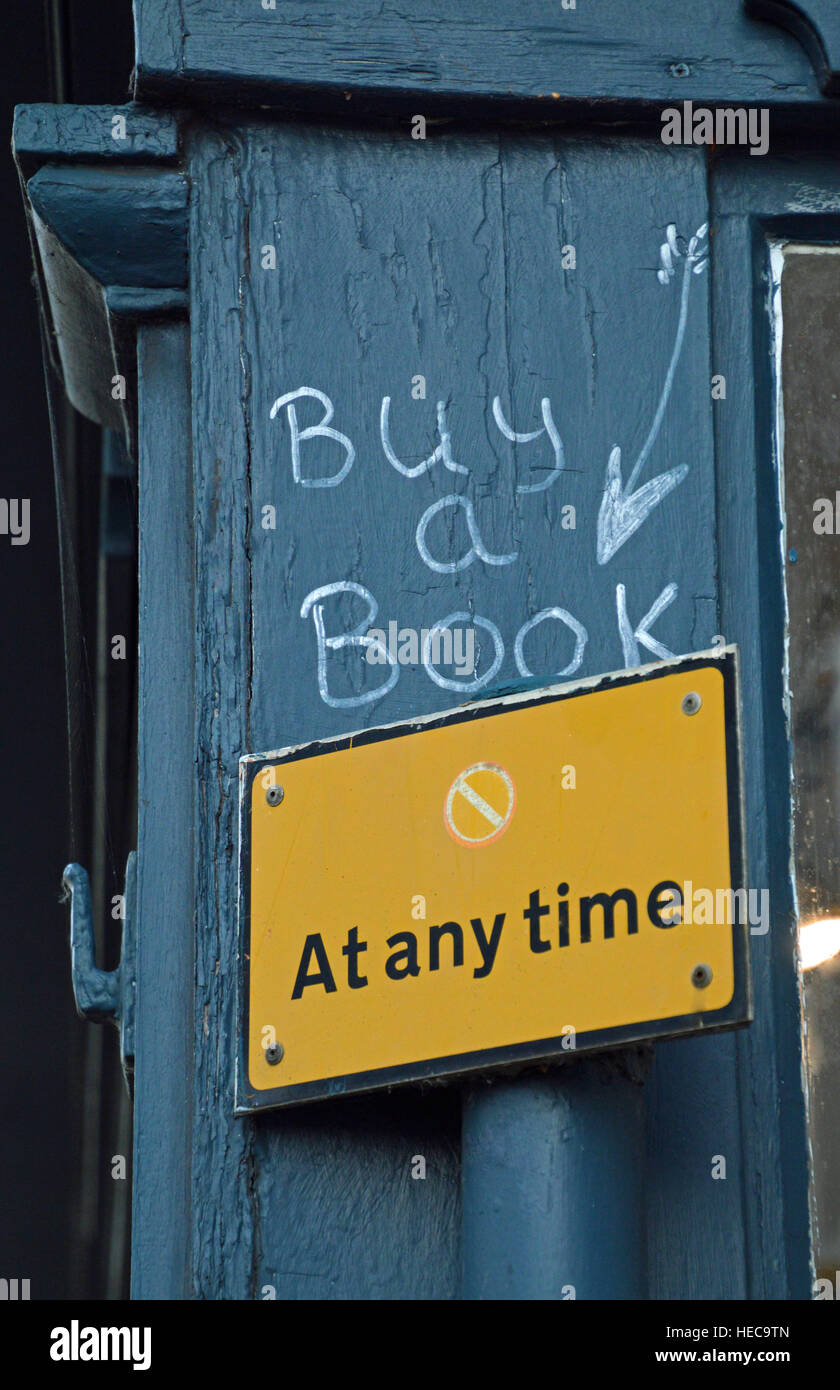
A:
516,880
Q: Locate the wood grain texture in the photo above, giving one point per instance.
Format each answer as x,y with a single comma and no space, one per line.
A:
317,1203
161,1234
301,53
45,133
445,258
816,24
792,199
397,258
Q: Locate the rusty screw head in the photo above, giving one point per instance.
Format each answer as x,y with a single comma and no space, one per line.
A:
701,976
691,702
274,796
274,1054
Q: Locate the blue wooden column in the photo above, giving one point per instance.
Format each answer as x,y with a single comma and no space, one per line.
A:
474,295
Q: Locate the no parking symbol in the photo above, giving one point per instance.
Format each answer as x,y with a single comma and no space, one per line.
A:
480,804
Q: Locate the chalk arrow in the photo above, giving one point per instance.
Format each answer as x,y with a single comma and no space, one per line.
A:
623,511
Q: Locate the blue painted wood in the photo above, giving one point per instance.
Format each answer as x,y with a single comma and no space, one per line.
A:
786,201
762,1121
693,1116
112,246
47,134
162,1193
451,267
317,1203
816,23
124,226
545,54
470,292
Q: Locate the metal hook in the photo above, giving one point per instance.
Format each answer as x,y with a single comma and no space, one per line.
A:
97,992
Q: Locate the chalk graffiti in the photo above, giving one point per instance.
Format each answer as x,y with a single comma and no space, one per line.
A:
355,638
549,428
478,681
580,634
477,550
631,637
624,507
322,429
622,510
368,640
443,452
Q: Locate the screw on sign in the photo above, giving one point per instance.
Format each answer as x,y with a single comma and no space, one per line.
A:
480,804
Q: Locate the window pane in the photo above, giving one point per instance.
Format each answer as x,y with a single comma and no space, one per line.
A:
810,449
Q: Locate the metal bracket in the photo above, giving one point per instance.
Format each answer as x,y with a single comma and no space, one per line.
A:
104,996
